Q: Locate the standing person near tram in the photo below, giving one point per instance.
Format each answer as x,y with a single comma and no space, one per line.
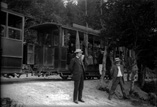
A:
78,70
117,75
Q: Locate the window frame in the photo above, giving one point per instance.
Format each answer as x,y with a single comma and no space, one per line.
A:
7,27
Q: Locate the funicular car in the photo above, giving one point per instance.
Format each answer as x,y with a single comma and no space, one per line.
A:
55,48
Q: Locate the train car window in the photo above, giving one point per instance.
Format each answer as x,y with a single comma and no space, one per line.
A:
65,38
48,39
40,38
14,21
90,50
96,49
72,40
56,38
90,46
15,34
81,36
3,23
30,48
3,31
30,54
3,18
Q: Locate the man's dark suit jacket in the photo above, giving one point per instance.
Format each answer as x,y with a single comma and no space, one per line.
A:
114,72
77,68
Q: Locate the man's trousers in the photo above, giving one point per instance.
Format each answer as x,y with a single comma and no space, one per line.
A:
78,88
116,81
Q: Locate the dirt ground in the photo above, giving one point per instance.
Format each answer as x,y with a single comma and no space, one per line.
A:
53,91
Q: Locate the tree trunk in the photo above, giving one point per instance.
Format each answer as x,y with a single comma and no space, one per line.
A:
134,72
104,65
143,75
104,84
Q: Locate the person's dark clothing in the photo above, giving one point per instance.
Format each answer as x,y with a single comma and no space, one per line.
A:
78,70
100,58
117,80
108,67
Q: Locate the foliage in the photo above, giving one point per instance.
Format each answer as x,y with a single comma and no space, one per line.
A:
93,14
130,23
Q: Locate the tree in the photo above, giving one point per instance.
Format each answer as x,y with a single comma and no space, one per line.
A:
129,23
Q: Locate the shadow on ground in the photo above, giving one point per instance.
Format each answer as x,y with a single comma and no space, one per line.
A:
34,79
26,80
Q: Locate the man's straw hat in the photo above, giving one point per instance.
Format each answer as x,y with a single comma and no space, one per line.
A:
78,50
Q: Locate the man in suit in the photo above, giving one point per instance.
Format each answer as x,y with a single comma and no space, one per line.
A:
117,74
77,68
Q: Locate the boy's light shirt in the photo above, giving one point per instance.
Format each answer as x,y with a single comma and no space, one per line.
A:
119,72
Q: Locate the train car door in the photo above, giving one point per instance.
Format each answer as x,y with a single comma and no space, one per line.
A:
48,56
48,50
45,52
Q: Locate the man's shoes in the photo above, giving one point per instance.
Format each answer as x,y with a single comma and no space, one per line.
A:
76,102
81,100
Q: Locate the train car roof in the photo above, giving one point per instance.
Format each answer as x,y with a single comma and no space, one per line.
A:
44,25
53,24
81,30
12,12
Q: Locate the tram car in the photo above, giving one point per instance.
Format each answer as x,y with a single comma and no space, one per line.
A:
55,46
12,35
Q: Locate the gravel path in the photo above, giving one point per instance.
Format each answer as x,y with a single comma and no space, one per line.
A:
53,91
